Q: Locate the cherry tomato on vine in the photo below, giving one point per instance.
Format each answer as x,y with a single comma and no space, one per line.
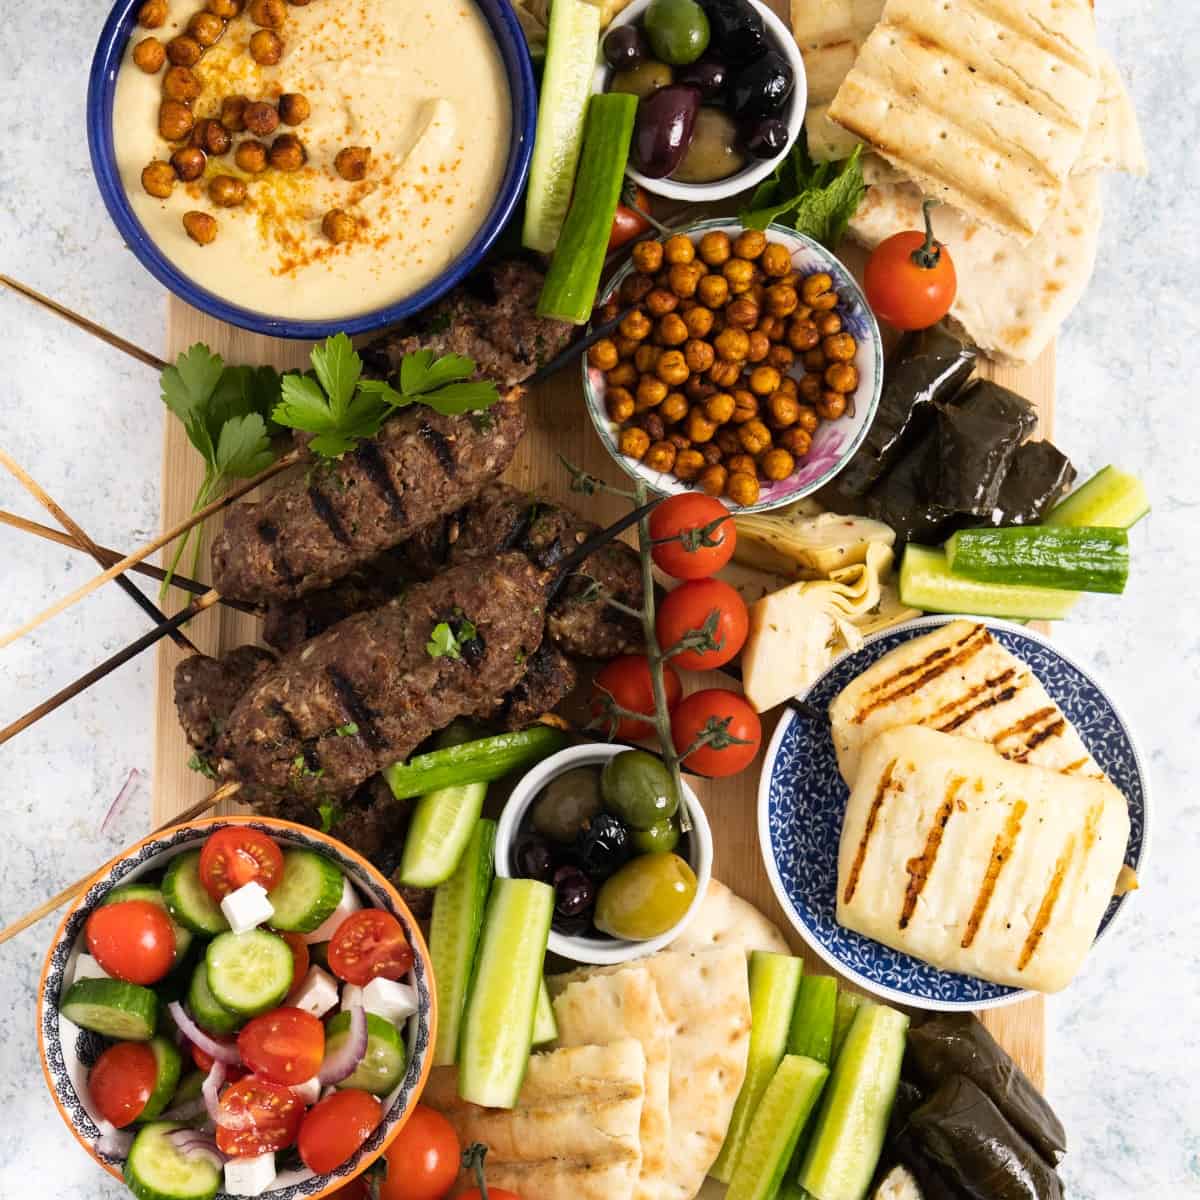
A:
423,1159
726,710
705,535
335,1128
627,680
235,856
369,943
122,1081
256,1116
132,940
910,280
628,223
284,1045
688,607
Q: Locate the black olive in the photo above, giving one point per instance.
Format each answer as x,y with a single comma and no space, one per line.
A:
625,47
767,137
603,846
663,130
761,88
535,860
573,892
707,75
738,32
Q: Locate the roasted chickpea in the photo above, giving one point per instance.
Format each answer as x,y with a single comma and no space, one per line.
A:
212,137
712,290
251,157
228,9
745,406
626,347
777,464
152,14
760,346
674,408
773,327
294,108
711,452
645,357
828,323
678,440
814,361
688,464
233,113
810,388
698,427
270,14
775,260
712,479
814,286
782,410
802,335
796,441
635,288
781,357
739,274
764,380
188,162
742,313
740,461
825,302
603,354
180,83
781,300
808,419
788,384
719,408
226,190
831,405
660,456
620,404
149,55
840,347
608,310
659,302
200,227
184,51
175,120
622,375
651,392
726,441
699,321
672,331
633,442
699,388
352,162
715,248
732,345
652,423
724,374
262,119
635,325
671,368
755,437
266,47
648,256
158,179
750,243
684,278
841,377
206,28
679,249
699,356
742,488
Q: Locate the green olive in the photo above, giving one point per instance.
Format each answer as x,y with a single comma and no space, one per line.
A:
677,30
637,788
645,897
660,838
643,80
714,152
567,803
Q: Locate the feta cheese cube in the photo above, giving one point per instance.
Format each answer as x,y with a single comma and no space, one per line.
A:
309,1091
247,908
352,997
346,905
393,1002
317,993
86,967
249,1176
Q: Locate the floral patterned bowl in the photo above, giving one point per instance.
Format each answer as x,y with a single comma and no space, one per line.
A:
834,442
68,1052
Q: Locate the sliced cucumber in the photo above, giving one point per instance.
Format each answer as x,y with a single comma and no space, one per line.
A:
438,834
566,87
779,1120
204,1007
169,1063
143,891
1086,558
774,982
811,1031
250,972
125,1011
454,934
383,1064
846,1009
188,901
307,892
545,1027
498,1021
927,582
1111,497
156,1170
849,1133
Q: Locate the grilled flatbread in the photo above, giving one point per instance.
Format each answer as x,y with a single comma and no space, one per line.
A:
1114,141
958,680
725,919
1008,868
575,1132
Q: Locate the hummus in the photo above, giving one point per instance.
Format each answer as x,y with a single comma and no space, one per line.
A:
420,84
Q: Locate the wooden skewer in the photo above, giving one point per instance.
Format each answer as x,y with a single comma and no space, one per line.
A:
225,792
576,348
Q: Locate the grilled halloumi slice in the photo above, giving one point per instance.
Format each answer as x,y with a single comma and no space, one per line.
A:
958,679
958,856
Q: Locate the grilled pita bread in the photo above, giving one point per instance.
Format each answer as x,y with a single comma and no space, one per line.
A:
1008,868
1114,140
611,1008
957,680
725,919
575,1132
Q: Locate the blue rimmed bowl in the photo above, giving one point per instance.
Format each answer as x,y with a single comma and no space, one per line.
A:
102,83
801,799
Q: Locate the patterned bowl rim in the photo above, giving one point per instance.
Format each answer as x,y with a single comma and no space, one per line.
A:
845,282
366,878
767,850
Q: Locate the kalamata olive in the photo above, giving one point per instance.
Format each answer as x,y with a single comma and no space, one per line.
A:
573,892
566,804
767,137
738,32
643,80
707,74
715,152
626,47
603,846
677,30
762,87
664,129
535,860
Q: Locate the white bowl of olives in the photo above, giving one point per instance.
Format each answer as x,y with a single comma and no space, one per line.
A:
600,823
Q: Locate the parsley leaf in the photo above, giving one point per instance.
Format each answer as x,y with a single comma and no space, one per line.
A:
447,642
331,813
462,397
421,372
243,448
305,406
337,368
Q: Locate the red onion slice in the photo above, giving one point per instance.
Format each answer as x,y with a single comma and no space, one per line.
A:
193,1144
211,1088
342,1062
113,1142
222,1052
187,1111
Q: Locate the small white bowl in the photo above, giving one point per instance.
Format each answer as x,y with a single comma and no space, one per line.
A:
703,193
600,949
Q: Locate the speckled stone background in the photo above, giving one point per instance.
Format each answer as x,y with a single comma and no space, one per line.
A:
1124,1044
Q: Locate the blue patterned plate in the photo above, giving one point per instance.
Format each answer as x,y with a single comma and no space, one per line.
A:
801,799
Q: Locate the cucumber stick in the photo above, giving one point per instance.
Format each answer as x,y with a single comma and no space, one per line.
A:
562,106
779,1120
774,982
454,934
811,1031
569,293
927,582
1089,559
497,1030
845,1010
545,1027
850,1128
1111,497
156,1170
439,832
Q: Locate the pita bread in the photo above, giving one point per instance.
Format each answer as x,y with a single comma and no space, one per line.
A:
983,103
725,919
574,1134
1011,299
1114,140
706,999
611,1008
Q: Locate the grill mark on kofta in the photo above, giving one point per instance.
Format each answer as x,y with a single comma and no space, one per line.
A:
374,467
356,708
325,510
268,533
440,444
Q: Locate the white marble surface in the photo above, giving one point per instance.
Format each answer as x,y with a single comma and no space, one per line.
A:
1124,1045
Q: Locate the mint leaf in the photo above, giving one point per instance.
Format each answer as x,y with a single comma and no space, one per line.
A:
462,397
243,448
337,367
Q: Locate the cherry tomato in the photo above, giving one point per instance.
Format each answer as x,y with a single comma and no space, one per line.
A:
204,1061
335,1128
132,940
122,1081
492,1194
687,515
733,715
627,680
369,943
235,856
300,955
688,607
285,1045
423,1159
910,279
256,1116
628,223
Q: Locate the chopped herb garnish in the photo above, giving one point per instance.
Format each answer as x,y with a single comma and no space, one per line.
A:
202,765
331,812
300,767
347,730
447,641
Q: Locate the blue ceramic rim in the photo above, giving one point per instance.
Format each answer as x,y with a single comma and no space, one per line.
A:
766,846
102,81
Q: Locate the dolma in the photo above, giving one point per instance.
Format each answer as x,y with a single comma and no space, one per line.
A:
901,498
959,1044
1038,476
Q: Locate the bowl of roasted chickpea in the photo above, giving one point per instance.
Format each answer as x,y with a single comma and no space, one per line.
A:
746,364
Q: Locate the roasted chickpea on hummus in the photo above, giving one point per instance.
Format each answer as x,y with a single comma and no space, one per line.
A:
340,170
